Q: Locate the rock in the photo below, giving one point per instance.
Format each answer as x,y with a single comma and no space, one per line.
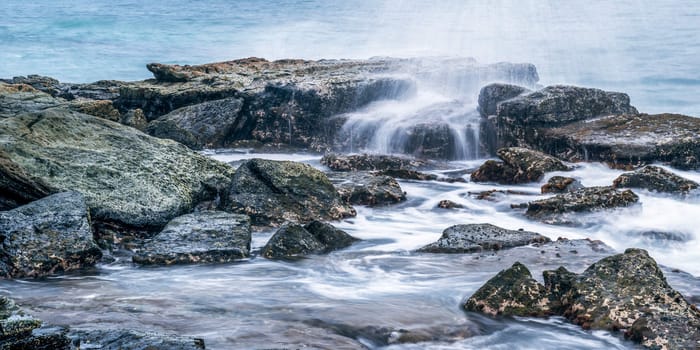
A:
512,292
21,331
99,90
654,178
587,199
314,238
133,339
135,119
408,174
19,98
362,188
448,204
200,237
561,184
272,192
432,140
133,183
519,165
360,162
493,94
98,108
46,236
204,125
17,187
41,83
477,237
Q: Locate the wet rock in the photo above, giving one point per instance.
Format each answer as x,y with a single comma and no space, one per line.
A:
357,162
363,188
519,165
432,140
17,187
133,183
587,199
204,125
314,238
46,236
478,237
512,292
408,174
663,235
561,184
495,194
133,340
200,237
448,204
493,94
654,178
21,331
272,192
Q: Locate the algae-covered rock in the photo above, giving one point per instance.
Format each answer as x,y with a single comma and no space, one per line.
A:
478,237
654,178
519,165
272,192
200,237
315,237
46,236
588,199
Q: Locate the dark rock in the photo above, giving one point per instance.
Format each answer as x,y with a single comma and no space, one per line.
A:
315,238
272,192
663,235
512,292
448,204
654,178
44,84
17,187
493,94
132,182
432,140
204,125
357,162
99,90
494,194
408,174
362,188
46,236
587,199
478,237
519,165
123,339
200,237
561,184
19,331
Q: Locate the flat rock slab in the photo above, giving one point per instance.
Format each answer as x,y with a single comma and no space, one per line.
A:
478,237
46,236
654,178
293,240
201,237
133,340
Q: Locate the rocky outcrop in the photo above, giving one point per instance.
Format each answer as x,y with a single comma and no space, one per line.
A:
20,98
133,339
589,199
519,165
47,236
493,94
477,237
314,238
200,237
21,331
272,192
17,187
654,178
561,184
132,182
625,292
363,188
204,125
357,162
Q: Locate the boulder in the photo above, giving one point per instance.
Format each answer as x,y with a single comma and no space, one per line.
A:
493,94
314,238
561,184
363,188
432,140
368,162
448,204
17,187
589,199
204,125
408,174
46,236
200,237
519,165
133,183
272,192
654,178
477,237
119,339
20,98
21,331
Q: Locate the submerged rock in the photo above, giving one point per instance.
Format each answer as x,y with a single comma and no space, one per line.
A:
519,165
314,238
448,204
654,178
21,331
360,162
200,237
362,188
272,192
587,199
477,237
122,339
47,236
561,184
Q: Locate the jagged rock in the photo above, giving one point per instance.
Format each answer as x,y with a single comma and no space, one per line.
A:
17,187
272,192
20,331
362,188
46,236
448,204
477,237
98,108
135,119
122,339
408,174
44,84
133,183
519,165
200,237
587,199
313,238
204,125
561,184
20,98
654,178
357,162
493,94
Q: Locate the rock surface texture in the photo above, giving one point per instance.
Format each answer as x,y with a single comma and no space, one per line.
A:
20,331
519,165
561,184
588,199
293,240
654,178
477,237
134,340
363,188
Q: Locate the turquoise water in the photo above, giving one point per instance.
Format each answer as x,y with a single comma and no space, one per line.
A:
648,49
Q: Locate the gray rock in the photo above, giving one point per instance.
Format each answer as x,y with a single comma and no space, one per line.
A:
17,187
200,237
293,240
368,162
561,184
408,174
654,178
205,125
331,237
589,199
20,98
363,188
21,331
493,94
477,237
46,236
272,192
121,339
519,165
